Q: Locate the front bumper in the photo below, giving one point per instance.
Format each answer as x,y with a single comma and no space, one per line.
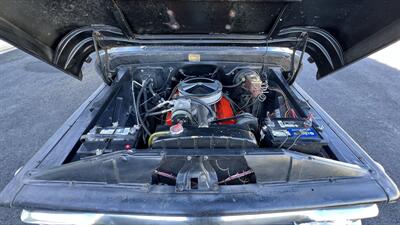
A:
337,215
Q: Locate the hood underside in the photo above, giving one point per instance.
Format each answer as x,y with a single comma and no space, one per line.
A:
334,33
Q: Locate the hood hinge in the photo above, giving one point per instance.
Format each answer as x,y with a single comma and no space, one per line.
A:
302,42
103,60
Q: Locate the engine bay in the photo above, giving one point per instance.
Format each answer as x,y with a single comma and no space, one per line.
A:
202,106
198,119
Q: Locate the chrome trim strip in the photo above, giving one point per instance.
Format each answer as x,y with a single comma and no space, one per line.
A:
337,214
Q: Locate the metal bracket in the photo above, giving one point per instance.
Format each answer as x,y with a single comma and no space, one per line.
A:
271,32
197,174
103,65
302,40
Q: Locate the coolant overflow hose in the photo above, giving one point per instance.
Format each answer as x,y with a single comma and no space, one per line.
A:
156,135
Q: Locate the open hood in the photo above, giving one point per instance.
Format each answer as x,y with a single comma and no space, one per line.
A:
334,33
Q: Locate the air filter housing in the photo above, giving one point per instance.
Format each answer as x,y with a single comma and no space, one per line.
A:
207,90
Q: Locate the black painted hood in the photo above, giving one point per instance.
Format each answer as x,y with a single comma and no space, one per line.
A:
337,32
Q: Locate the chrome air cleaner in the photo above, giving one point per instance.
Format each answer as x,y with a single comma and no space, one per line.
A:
207,90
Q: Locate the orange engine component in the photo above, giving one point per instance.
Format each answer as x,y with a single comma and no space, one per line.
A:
168,119
223,110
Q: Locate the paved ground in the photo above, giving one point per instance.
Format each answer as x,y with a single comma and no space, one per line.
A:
36,99
364,99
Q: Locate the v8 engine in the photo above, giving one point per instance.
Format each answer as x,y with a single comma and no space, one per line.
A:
201,117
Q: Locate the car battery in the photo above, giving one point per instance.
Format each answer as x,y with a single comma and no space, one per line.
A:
292,134
101,140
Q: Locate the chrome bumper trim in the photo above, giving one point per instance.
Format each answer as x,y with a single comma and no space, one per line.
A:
334,215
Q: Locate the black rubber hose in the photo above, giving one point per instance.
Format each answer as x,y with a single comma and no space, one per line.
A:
138,107
146,108
231,118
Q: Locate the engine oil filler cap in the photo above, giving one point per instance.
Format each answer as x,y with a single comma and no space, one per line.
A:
176,129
